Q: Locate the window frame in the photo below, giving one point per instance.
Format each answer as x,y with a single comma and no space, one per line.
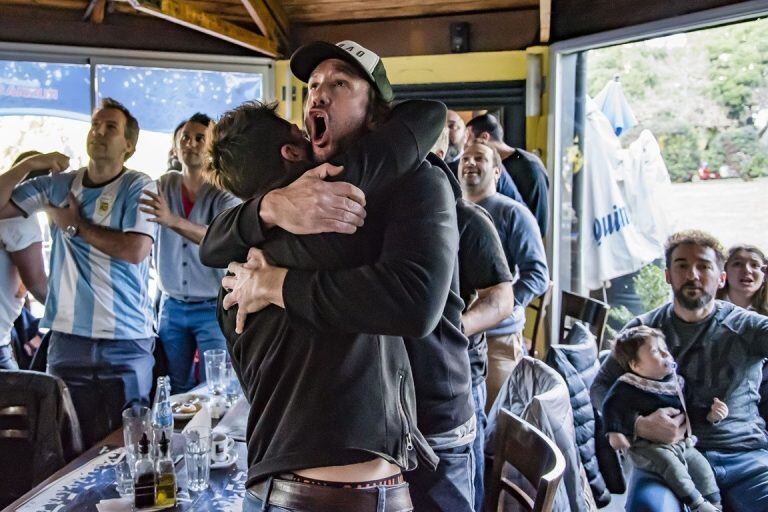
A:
561,85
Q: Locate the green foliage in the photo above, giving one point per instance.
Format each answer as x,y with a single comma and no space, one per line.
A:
738,57
739,149
694,91
681,153
757,167
635,65
620,315
651,286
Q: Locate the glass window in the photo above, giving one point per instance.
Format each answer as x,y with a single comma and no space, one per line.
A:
44,106
161,97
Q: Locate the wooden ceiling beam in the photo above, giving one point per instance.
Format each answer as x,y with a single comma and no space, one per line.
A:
177,11
324,11
545,19
279,15
95,11
263,18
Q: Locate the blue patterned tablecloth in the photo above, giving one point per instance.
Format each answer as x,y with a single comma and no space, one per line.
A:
83,488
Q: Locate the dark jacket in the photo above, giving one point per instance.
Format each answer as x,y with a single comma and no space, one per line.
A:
482,264
530,177
360,300
324,393
725,362
578,364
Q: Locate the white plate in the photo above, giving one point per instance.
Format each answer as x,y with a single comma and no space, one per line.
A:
194,398
231,459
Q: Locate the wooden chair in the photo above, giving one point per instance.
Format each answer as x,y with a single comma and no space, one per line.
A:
535,314
531,453
590,311
39,430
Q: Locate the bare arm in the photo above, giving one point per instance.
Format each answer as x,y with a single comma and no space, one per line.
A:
130,247
31,267
155,204
189,230
56,162
493,305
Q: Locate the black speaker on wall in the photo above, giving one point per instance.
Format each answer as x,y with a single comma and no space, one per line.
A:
459,37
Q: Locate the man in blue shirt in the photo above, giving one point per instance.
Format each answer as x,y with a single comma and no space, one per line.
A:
98,306
479,170
521,170
183,207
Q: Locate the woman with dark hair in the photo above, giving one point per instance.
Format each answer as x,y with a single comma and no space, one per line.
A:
746,286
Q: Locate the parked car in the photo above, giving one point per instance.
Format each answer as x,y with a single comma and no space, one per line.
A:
705,173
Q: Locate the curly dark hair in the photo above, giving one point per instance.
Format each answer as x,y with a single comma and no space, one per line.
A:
694,237
244,149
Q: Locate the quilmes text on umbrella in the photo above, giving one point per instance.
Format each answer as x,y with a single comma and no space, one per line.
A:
610,224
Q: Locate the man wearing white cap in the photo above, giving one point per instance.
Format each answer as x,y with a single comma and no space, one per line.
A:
348,92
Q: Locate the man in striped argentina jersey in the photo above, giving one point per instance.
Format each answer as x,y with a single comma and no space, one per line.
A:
98,306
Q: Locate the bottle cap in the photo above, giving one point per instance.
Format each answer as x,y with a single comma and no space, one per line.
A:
144,444
163,444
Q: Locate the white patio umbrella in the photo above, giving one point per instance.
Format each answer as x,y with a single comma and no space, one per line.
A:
613,103
611,243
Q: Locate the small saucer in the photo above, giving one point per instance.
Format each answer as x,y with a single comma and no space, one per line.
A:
231,459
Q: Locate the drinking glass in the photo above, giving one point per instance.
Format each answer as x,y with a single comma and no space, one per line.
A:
137,420
215,368
231,384
197,457
124,478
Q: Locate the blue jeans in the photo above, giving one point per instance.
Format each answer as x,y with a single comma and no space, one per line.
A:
103,376
741,476
7,362
450,488
184,327
743,479
478,447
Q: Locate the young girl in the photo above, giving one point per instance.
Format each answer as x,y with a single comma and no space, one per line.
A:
745,283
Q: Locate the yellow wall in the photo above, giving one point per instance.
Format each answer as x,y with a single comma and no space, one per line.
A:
457,67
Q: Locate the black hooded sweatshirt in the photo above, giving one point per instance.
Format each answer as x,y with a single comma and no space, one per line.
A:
329,394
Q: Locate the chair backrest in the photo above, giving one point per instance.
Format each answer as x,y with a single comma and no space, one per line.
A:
39,431
585,309
535,314
532,454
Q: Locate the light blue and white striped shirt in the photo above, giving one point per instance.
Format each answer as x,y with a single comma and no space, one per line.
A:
90,293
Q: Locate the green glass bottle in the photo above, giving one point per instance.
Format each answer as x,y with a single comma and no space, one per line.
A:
165,487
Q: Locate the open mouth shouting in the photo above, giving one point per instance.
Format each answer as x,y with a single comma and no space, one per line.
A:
318,128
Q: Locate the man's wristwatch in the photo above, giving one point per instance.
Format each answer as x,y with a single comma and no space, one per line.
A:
71,230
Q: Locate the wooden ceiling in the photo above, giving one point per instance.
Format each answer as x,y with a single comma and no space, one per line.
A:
329,11
264,25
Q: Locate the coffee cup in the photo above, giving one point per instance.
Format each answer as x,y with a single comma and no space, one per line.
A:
221,445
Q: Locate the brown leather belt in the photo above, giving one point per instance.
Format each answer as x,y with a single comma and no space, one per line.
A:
316,498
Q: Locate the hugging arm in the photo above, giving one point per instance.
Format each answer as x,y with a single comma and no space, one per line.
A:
405,291
370,168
